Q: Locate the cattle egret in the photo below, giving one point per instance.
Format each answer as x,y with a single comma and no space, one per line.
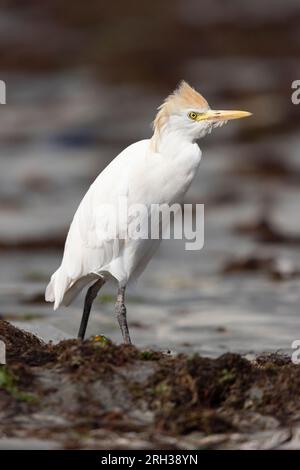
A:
158,170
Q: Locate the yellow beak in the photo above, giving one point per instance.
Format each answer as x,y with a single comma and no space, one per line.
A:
221,115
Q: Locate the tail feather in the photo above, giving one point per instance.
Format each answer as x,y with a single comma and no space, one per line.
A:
77,287
63,290
57,287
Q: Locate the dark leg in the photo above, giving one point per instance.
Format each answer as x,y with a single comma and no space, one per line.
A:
88,302
121,315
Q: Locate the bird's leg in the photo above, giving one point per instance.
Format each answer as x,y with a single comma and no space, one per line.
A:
88,302
121,315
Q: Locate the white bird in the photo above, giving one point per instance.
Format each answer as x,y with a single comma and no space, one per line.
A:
158,170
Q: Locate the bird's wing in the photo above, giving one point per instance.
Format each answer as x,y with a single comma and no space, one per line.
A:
91,244
96,235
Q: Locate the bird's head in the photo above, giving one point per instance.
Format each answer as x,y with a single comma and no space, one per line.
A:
188,114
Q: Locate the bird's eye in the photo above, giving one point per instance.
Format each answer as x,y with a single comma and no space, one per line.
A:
193,115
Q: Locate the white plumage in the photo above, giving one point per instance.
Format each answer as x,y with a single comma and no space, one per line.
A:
152,171
134,173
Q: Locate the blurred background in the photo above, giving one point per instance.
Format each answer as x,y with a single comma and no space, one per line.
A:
83,81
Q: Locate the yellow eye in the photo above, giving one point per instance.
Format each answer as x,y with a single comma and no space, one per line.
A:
193,115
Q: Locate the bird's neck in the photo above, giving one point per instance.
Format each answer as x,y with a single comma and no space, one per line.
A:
170,142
